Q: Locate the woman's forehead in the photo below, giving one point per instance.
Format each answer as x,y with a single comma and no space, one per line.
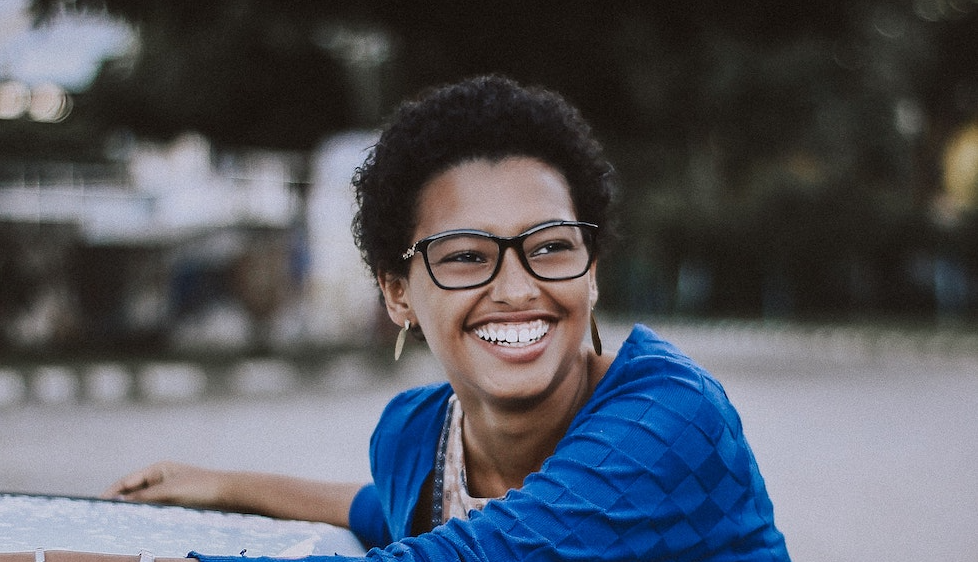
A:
503,197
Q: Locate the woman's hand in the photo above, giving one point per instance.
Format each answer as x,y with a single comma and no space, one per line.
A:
284,497
172,483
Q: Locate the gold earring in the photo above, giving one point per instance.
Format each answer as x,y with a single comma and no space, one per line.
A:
595,337
401,338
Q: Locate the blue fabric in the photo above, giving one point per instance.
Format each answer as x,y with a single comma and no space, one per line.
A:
654,467
367,518
402,454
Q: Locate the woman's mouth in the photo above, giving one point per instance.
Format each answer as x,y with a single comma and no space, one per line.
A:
513,335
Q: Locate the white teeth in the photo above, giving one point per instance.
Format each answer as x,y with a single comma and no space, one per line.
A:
513,334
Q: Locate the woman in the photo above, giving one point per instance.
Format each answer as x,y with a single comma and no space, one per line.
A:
482,210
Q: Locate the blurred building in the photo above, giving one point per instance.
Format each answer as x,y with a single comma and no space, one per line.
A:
186,247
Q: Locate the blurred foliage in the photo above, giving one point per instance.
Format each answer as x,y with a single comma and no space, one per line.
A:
241,73
778,158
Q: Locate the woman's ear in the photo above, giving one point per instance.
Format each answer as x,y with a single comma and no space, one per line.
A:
394,289
594,284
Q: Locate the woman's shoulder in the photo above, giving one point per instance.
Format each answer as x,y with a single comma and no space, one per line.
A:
416,405
643,341
423,394
647,364
653,386
408,428
646,353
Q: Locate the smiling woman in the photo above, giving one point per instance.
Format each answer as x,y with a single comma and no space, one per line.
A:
516,196
482,212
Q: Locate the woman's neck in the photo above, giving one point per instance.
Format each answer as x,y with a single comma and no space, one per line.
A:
504,445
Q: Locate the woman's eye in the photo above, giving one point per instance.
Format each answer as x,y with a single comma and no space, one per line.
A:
463,257
552,247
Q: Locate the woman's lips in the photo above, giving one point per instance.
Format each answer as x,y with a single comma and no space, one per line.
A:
513,334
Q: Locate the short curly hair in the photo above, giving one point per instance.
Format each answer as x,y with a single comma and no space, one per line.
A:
490,117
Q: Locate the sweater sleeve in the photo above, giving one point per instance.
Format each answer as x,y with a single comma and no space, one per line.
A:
367,518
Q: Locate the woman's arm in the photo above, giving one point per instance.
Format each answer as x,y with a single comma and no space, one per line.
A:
272,495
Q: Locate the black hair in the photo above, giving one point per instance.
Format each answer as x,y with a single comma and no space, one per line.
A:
490,117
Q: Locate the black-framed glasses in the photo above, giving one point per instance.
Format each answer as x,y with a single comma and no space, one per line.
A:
465,259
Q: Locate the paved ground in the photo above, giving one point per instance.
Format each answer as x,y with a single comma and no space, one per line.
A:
868,439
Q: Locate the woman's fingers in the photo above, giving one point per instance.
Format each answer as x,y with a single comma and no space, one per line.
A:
146,484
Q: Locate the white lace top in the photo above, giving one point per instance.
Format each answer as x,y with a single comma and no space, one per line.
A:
456,501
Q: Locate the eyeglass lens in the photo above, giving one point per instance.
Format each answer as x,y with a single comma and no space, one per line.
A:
466,259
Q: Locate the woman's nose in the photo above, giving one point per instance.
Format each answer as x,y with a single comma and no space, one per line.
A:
513,283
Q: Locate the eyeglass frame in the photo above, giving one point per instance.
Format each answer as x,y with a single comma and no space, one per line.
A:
504,242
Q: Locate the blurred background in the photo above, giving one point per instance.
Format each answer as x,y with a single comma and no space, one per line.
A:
169,171
799,196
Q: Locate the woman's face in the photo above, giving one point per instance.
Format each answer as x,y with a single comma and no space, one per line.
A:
504,198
